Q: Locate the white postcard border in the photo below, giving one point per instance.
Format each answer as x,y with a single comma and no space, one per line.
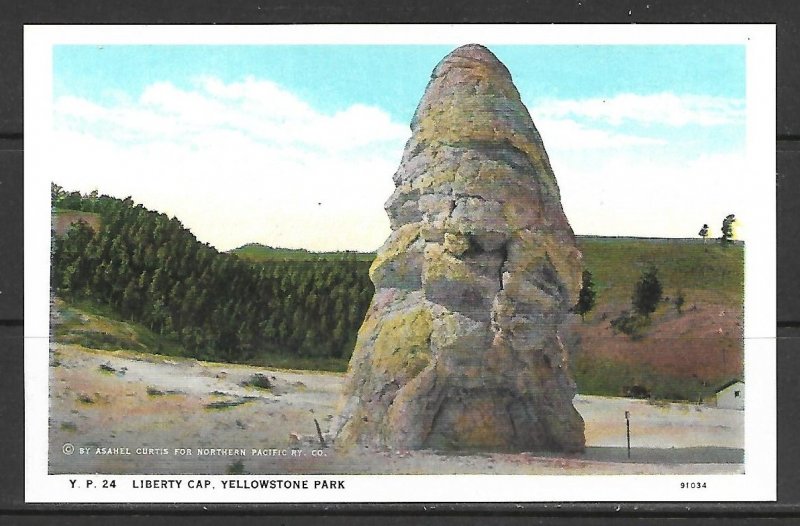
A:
757,484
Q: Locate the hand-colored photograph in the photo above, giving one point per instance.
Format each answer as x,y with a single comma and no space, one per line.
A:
405,259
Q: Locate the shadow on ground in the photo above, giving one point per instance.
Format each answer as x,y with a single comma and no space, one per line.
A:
686,455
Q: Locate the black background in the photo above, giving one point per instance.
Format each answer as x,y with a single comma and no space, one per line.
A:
13,14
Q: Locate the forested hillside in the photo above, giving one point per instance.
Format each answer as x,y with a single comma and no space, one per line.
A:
261,253
151,270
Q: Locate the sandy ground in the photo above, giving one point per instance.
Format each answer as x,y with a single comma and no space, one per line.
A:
135,413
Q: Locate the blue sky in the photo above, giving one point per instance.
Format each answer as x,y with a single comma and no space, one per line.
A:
394,77
617,121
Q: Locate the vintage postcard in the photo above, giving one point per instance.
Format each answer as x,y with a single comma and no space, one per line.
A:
400,263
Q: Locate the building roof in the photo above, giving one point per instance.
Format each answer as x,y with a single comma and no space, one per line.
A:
728,384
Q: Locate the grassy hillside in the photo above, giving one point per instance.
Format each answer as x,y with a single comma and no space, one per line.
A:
94,326
684,355
712,271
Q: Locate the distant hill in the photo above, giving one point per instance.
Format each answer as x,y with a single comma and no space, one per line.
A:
708,268
260,253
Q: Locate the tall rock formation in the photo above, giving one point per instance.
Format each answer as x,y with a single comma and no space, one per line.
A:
460,347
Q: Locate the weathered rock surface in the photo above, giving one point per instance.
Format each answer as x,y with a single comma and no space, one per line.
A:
460,347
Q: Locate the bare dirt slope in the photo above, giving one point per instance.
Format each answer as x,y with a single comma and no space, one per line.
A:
704,344
133,412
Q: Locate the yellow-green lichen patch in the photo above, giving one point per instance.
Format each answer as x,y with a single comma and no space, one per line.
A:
443,124
435,178
456,243
439,265
402,348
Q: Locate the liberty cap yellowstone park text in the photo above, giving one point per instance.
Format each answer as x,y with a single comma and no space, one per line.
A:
239,483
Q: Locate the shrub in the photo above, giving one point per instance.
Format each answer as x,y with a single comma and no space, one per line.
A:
85,399
631,324
69,426
637,391
679,302
258,380
227,404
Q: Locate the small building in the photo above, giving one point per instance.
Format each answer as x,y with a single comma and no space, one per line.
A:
731,395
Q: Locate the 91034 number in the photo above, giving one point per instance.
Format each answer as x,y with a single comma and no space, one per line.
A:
693,485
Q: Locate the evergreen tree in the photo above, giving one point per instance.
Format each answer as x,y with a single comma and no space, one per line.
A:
587,295
727,229
647,293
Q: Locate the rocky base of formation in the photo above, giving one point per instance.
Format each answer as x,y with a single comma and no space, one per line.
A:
460,348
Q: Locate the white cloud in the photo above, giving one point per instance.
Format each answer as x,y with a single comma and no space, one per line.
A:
251,162
238,163
664,182
567,134
652,196
662,108
259,109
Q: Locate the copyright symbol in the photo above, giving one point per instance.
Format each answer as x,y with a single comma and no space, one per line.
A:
68,449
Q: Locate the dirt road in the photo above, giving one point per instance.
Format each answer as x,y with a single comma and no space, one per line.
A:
147,414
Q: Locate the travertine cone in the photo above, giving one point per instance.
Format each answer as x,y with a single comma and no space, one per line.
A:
460,347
